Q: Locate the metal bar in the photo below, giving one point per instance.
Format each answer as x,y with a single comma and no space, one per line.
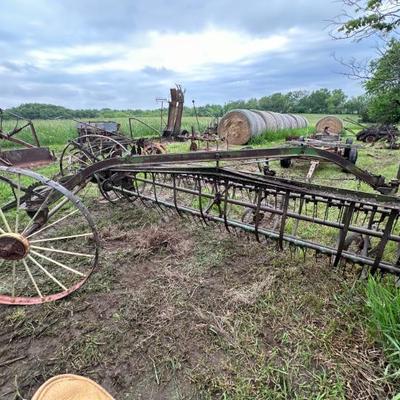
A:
283,219
382,243
348,214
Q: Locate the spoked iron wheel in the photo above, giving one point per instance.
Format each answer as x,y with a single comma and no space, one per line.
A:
48,241
89,149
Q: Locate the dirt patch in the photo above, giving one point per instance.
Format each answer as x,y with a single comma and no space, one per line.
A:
180,311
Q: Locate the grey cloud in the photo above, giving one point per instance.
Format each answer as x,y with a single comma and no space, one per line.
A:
26,25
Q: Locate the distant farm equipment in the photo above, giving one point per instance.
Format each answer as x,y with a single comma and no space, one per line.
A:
102,140
327,138
387,133
19,131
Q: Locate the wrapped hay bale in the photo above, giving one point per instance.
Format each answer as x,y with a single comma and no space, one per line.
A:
329,125
271,123
238,126
300,120
287,122
293,121
305,121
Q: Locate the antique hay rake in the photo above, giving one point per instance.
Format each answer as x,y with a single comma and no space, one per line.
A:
49,245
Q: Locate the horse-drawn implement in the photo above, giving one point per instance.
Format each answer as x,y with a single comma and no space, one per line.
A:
20,132
49,244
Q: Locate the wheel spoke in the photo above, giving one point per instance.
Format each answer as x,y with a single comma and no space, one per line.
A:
62,238
18,204
52,277
53,223
72,253
57,207
32,278
91,150
31,221
57,263
80,160
13,279
101,147
3,217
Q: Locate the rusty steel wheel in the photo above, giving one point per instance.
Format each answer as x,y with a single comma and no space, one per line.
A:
89,149
48,241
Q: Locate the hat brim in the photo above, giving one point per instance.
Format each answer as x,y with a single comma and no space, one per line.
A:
71,387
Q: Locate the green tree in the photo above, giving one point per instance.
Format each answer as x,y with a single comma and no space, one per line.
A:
364,18
336,101
318,101
357,105
384,85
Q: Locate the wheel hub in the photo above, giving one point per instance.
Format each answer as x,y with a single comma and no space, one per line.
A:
13,246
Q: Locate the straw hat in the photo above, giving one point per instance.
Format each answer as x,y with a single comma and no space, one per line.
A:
71,387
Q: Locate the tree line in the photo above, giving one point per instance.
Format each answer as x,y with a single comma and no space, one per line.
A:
322,101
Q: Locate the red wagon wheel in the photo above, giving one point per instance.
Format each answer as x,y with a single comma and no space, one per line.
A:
48,241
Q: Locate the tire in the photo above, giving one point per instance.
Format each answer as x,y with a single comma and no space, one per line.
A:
286,162
370,139
353,155
346,152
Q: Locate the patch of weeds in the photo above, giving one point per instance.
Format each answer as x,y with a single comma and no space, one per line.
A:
268,137
85,351
16,316
383,305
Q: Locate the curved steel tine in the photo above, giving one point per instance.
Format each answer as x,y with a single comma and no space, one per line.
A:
200,200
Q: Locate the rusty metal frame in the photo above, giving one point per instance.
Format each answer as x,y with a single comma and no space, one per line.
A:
31,153
377,182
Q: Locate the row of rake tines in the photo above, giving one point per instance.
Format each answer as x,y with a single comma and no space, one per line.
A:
213,183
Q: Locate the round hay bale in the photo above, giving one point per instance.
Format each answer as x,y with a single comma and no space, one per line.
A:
329,124
300,121
271,124
293,121
278,120
287,122
238,126
297,120
306,123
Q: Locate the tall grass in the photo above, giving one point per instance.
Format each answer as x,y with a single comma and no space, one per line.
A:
267,137
383,304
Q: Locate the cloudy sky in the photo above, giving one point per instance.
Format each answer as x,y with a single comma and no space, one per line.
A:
125,53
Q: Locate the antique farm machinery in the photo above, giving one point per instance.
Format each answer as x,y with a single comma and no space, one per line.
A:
49,244
20,132
101,140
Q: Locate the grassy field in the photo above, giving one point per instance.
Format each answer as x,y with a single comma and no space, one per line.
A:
208,315
58,132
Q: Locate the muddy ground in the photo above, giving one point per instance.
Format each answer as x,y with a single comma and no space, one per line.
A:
181,311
